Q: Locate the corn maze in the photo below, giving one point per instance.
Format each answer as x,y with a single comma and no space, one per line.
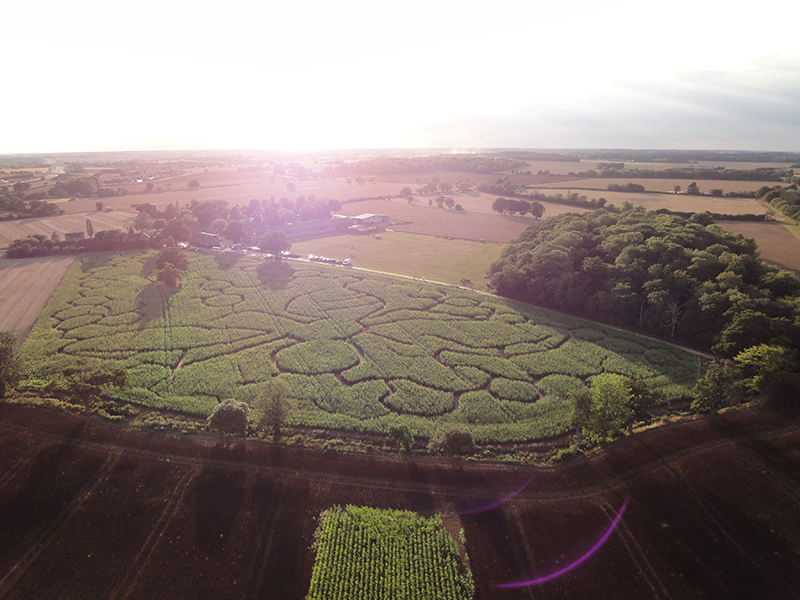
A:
370,553
357,351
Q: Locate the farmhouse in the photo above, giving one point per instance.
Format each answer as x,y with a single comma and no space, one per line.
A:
73,237
206,240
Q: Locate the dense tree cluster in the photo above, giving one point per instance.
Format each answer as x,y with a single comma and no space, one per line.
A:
465,163
785,199
17,207
512,206
686,279
537,156
628,187
112,239
503,185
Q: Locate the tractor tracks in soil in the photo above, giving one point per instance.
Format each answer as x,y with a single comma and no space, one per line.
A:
620,464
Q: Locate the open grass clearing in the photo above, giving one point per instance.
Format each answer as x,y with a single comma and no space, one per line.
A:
415,255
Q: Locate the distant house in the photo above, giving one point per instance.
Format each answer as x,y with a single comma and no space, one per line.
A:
206,240
74,237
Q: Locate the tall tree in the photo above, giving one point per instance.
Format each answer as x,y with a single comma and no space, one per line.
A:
273,407
10,363
275,242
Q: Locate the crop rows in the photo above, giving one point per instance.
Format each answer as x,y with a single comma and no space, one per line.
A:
357,351
370,553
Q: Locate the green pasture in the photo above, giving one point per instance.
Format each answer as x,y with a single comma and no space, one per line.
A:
409,254
357,351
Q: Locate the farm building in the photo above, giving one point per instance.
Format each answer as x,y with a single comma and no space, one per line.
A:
368,222
206,240
73,237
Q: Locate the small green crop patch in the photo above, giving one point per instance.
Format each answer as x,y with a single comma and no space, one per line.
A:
357,351
370,553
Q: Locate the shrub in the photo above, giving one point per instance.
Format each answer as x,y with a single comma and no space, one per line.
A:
229,417
455,441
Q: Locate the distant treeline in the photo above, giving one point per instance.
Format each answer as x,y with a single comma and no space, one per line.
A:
506,187
663,274
687,156
716,216
467,163
112,239
538,156
719,173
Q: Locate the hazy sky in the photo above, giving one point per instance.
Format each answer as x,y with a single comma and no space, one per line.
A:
167,74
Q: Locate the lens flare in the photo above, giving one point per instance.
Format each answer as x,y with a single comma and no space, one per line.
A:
577,563
497,502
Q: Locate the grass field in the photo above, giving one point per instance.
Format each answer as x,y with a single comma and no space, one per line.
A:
438,259
357,351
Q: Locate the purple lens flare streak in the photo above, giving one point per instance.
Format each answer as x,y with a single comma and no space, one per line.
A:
497,502
577,563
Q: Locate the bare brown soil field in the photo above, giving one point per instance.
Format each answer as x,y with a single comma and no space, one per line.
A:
26,285
668,185
68,223
94,510
776,244
679,202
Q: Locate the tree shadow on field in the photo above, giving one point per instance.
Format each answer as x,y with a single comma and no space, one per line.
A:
276,275
226,260
150,303
219,494
56,478
148,266
424,502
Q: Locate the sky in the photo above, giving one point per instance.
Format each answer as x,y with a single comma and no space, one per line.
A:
94,75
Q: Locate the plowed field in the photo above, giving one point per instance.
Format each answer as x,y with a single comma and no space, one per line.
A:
26,285
99,511
776,244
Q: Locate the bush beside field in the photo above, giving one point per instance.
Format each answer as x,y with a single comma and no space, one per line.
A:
357,351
